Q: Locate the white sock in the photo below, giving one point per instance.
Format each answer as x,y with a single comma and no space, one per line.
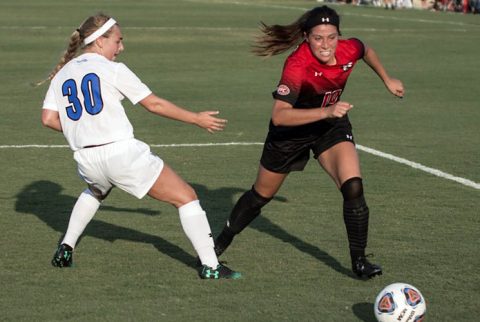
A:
195,224
83,211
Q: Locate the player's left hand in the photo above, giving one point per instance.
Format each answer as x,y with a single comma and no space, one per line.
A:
395,86
210,122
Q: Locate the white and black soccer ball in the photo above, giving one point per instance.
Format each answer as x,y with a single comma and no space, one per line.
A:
400,302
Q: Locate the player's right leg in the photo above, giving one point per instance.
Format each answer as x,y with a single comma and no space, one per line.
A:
249,206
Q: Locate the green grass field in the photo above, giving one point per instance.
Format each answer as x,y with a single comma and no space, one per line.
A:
134,262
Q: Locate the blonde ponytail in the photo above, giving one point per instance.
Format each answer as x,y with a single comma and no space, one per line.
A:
88,27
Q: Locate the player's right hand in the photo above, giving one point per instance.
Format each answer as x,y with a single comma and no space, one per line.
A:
339,109
209,121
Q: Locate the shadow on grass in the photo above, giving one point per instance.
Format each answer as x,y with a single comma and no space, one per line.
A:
364,311
45,200
223,198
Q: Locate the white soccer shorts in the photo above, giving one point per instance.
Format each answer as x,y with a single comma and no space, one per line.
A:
128,164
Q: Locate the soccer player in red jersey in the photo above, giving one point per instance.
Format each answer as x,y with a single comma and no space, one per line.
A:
308,115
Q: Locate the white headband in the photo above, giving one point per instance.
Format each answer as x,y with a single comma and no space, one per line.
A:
100,31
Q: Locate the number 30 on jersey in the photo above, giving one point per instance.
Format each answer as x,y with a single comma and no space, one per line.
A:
92,96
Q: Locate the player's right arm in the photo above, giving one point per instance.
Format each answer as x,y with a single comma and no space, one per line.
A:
287,94
51,119
283,113
50,116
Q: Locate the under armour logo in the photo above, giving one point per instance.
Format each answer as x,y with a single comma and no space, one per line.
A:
326,19
347,66
318,74
349,137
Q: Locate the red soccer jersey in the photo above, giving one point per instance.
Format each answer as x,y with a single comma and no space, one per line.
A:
307,83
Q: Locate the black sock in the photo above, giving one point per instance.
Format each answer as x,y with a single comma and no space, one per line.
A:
355,215
246,209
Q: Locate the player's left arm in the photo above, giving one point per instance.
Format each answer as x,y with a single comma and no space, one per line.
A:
206,119
51,119
395,86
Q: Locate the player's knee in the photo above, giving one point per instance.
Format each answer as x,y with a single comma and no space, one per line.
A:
186,196
354,205
96,193
190,193
251,202
258,201
247,208
352,189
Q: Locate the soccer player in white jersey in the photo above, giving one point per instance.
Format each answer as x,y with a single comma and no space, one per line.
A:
84,102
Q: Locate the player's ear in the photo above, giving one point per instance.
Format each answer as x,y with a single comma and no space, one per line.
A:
99,42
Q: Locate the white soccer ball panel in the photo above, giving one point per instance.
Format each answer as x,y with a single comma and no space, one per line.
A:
400,302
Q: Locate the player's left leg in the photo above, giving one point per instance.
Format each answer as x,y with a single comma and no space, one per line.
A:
85,208
171,188
342,164
249,206
86,205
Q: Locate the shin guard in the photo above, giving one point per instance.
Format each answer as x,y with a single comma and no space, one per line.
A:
355,215
246,209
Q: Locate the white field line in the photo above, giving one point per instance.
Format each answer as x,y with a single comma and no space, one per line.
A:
419,166
391,157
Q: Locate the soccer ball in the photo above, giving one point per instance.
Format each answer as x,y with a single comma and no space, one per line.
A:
400,302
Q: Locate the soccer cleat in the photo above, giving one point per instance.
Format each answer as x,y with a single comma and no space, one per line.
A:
221,271
364,269
63,256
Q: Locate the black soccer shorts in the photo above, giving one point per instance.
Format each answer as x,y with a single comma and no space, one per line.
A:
286,155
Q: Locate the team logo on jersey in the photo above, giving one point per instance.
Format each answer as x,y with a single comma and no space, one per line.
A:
347,66
283,90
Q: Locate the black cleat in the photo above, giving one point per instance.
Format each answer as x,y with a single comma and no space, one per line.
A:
364,269
221,271
63,256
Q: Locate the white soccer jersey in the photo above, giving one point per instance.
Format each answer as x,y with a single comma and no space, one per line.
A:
87,93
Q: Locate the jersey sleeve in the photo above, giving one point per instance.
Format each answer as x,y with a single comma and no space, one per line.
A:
358,48
290,84
50,103
130,85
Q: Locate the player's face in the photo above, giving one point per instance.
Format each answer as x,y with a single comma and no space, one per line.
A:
323,40
112,45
